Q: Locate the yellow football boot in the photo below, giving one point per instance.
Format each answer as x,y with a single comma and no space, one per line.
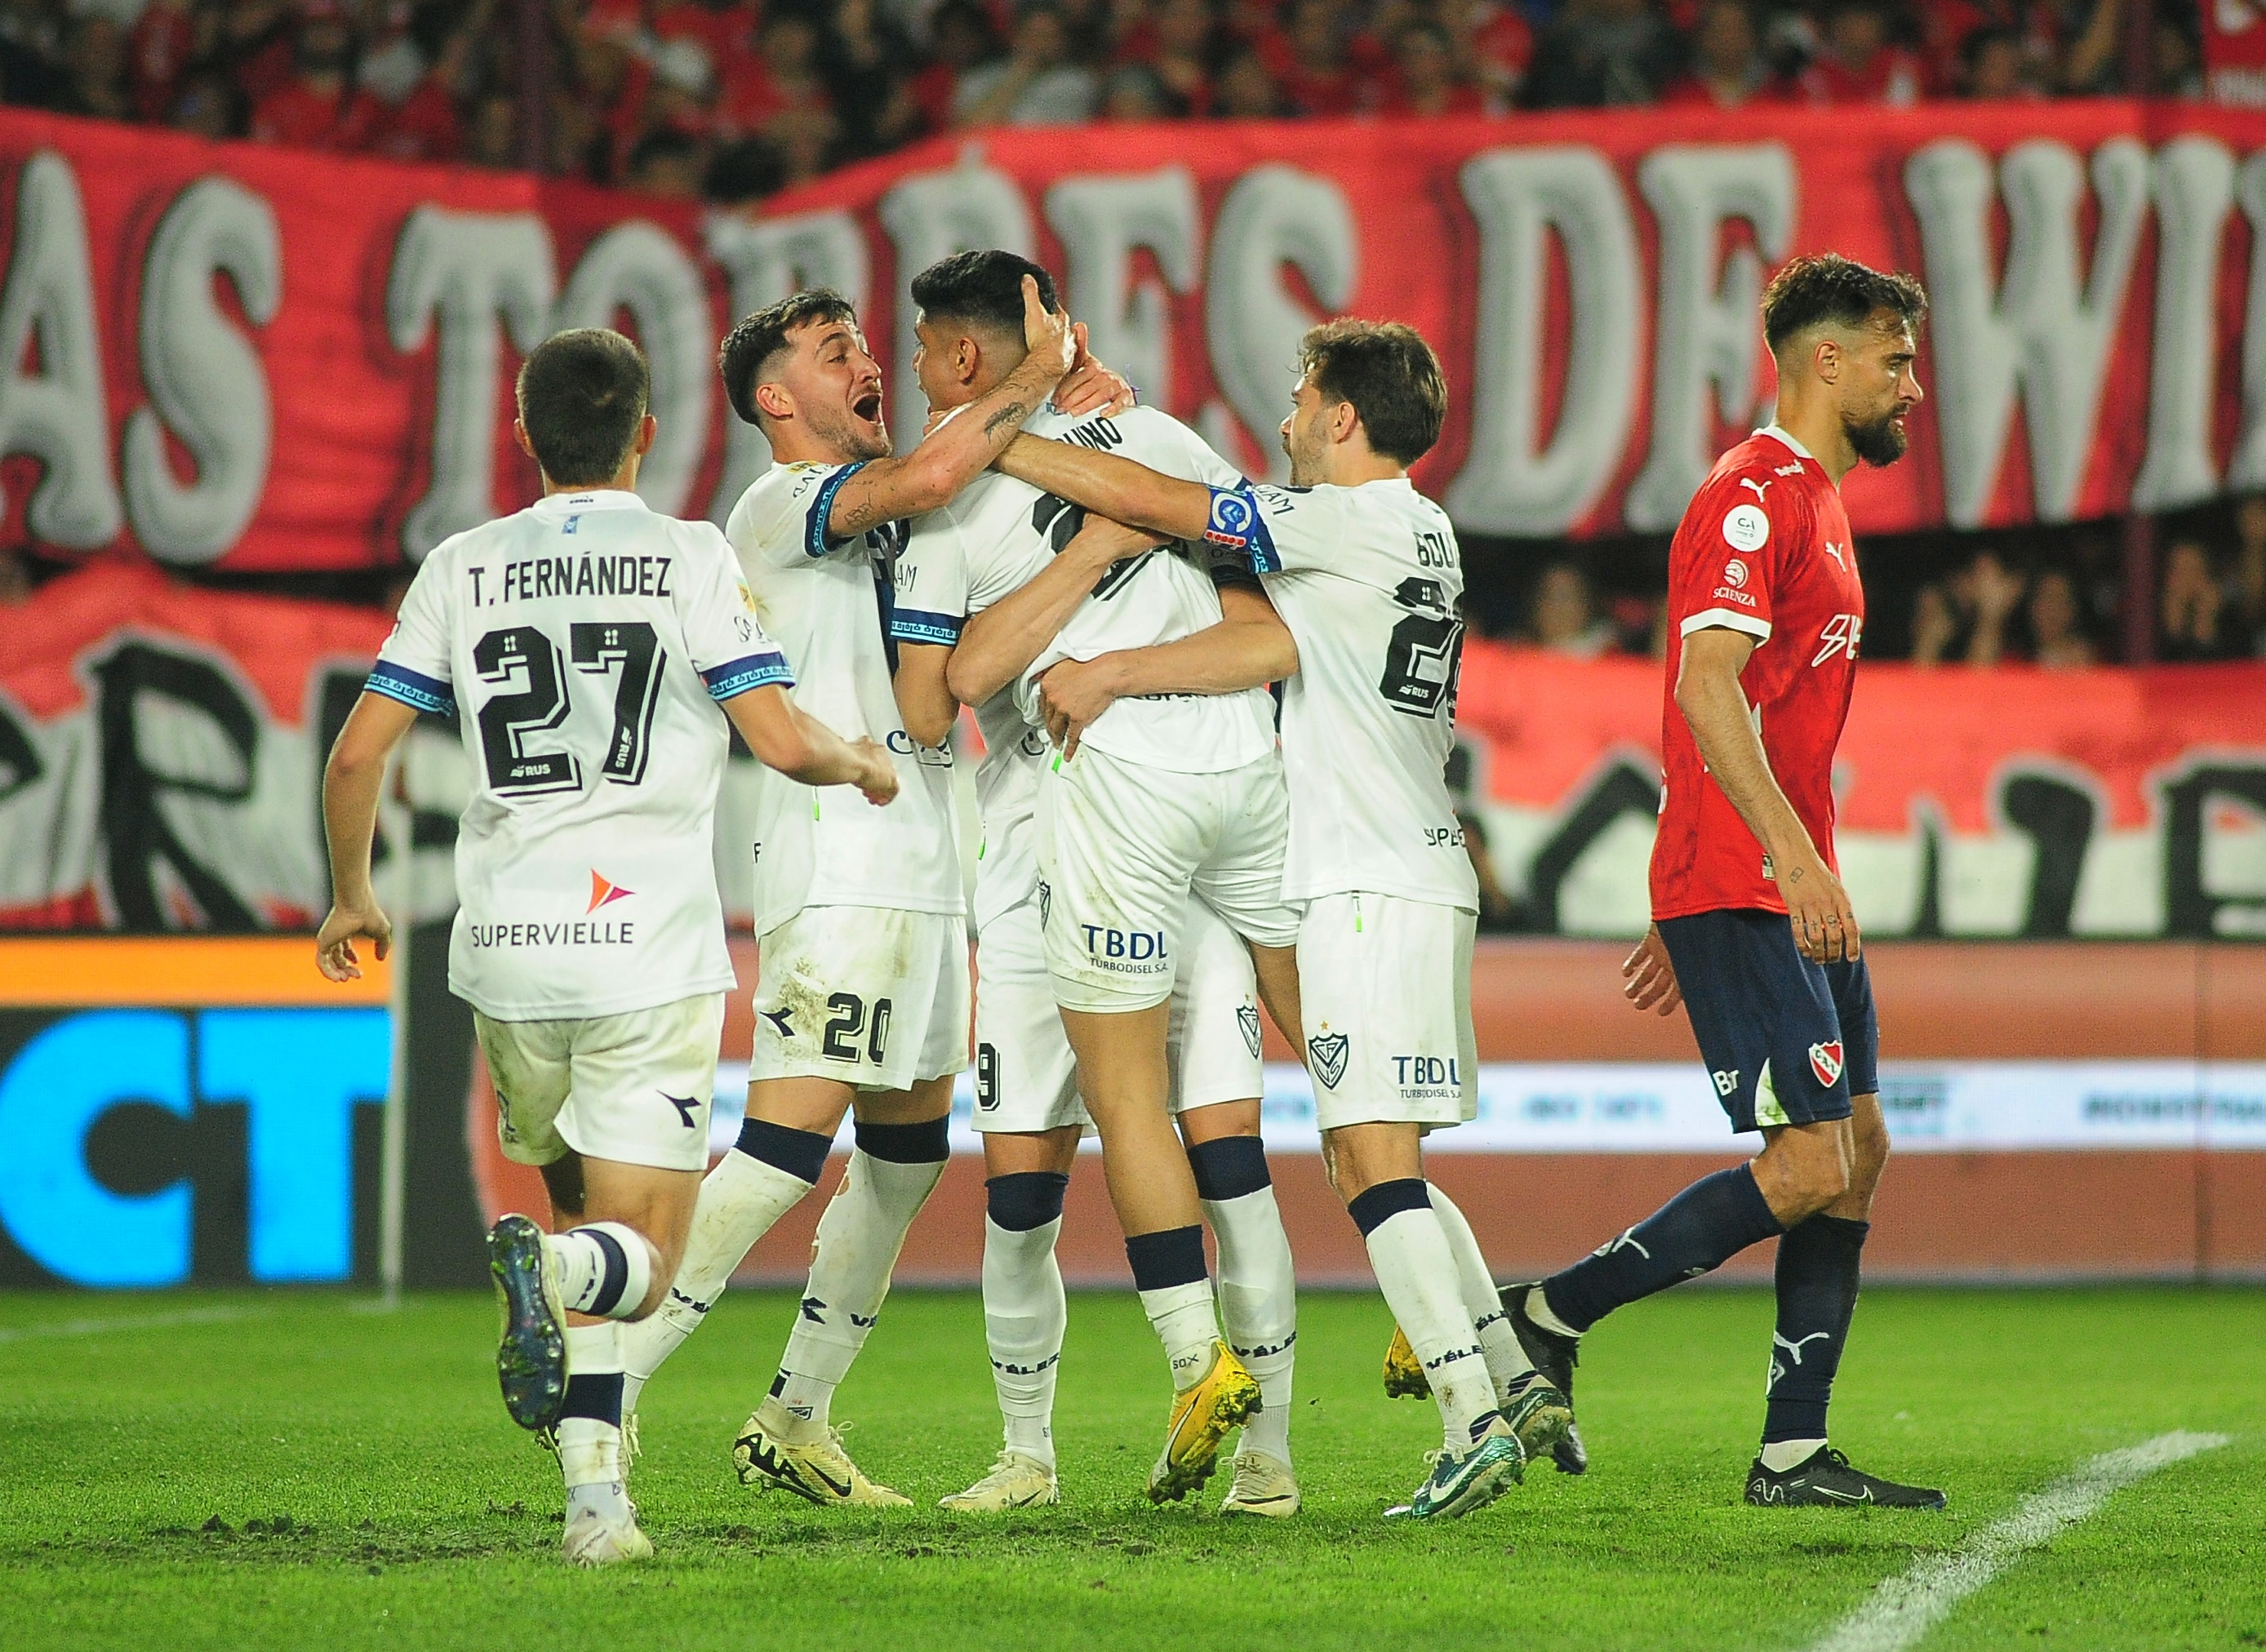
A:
1202,1416
1404,1372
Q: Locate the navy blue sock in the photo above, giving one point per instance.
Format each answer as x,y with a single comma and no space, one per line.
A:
594,1394
1024,1200
1175,1256
1818,1266
801,1154
1232,1167
926,1143
1697,1232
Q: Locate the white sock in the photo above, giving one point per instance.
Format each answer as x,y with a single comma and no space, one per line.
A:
1187,1325
590,1448
1024,1314
851,1260
1537,1309
1258,1309
1506,1359
605,1269
1780,1455
740,1198
1417,1270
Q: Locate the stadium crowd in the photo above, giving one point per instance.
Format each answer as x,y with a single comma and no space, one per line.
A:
732,98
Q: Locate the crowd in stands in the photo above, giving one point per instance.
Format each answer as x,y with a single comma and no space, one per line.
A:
732,98
2050,598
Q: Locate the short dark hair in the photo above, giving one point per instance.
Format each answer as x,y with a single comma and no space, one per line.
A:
748,349
1834,291
983,289
582,396
1389,375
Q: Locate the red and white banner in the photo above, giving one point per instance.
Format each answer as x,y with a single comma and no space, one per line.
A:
263,358
161,754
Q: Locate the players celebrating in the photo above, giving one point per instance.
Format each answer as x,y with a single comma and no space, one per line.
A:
1752,927
983,587
1366,573
862,1000
581,641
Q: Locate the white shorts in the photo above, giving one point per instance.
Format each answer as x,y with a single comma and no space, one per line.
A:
1385,985
871,996
632,1088
1026,1077
1121,847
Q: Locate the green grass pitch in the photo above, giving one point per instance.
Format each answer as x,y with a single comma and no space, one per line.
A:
371,1494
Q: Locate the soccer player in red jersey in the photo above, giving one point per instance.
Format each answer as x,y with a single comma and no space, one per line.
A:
1752,931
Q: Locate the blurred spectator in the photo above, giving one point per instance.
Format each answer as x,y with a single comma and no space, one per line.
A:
1601,54
1564,619
492,140
1178,53
256,45
159,54
1990,593
32,69
1728,71
1036,85
208,105
1246,90
1935,625
667,162
2057,640
1132,92
865,62
776,87
1309,60
1496,44
1859,64
320,107
1426,81
960,39
1991,65
94,69
2178,56
746,170
2250,569
2193,620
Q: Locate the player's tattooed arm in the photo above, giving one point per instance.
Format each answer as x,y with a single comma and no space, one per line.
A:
925,697
962,444
1108,485
352,781
1708,694
997,646
1249,648
785,737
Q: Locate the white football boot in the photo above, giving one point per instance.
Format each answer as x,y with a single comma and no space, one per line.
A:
1017,1480
1264,1485
592,1539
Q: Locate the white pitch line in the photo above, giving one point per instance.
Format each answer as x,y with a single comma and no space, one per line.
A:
1904,1609
144,1322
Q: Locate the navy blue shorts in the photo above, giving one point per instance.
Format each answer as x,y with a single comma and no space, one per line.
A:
1787,1040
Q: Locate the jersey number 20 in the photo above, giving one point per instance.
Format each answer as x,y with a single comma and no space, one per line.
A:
525,655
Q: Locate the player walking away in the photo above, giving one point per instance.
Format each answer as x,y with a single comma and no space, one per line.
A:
1366,573
581,642
1766,610
1004,551
861,1004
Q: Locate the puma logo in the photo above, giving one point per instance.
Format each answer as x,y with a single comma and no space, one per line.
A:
1761,488
1794,1349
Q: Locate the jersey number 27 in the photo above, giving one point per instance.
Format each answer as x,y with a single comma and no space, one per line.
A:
510,723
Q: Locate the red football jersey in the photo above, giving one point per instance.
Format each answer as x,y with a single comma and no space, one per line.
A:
1764,548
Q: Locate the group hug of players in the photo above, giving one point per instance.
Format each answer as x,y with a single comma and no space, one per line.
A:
1161,855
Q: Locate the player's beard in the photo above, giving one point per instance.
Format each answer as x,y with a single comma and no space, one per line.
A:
1306,466
852,437
1878,442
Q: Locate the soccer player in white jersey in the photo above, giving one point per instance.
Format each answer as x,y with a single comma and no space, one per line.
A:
1003,550
582,642
862,1000
1365,571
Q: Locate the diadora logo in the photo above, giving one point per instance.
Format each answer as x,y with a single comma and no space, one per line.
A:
1424,1069
603,892
1138,945
1726,1082
1246,1017
1325,1053
686,1106
1825,1062
1839,636
1735,575
1046,901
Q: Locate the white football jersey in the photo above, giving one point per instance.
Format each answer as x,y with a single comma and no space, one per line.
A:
1160,597
581,644
1370,580
823,600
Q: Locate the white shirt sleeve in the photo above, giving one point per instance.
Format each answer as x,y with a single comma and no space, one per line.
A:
1281,530
414,665
718,614
931,581
784,522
